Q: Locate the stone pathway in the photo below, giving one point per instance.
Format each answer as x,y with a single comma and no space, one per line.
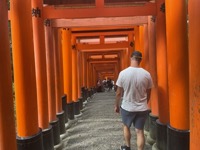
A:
99,127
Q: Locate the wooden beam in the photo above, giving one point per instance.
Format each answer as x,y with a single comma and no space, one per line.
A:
52,12
102,46
89,3
103,62
116,52
114,33
108,28
101,50
100,22
107,69
103,59
103,68
110,70
104,65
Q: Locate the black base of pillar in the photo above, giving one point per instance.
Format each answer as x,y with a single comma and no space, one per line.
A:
83,93
30,143
77,108
48,142
152,126
87,93
64,107
70,111
61,117
161,140
177,139
56,131
81,103
92,91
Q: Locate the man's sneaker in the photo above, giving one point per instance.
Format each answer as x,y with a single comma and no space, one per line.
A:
124,147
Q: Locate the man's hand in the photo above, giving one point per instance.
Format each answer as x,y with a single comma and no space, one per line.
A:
117,109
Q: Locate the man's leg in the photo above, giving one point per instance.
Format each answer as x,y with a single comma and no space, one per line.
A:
140,139
127,135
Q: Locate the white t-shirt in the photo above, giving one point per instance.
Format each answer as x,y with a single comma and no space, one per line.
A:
135,82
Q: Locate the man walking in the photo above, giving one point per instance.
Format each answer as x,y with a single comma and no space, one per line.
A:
135,83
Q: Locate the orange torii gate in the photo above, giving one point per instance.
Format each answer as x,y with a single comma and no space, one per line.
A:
177,68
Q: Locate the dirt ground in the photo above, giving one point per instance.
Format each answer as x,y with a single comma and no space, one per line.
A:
99,127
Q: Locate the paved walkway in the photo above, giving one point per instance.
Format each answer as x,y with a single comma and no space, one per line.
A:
99,127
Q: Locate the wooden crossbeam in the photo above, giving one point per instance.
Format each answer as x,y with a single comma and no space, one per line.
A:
52,12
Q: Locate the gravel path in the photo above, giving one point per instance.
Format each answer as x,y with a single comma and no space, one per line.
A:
99,127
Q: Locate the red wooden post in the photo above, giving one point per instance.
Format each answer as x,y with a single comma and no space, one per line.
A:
153,116
41,74
7,124
194,61
163,101
178,74
50,52
67,70
24,75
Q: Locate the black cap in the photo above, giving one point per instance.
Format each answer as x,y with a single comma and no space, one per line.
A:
136,54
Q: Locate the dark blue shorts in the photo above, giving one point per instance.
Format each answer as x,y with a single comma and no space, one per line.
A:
136,118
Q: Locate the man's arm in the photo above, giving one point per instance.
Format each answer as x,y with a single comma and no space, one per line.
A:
148,95
118,98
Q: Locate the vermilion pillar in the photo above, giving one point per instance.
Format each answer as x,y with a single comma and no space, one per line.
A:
67,70
66,52
178,79
40,64
64,96
50,53
29,134
94,73
50,71
162,65
153,116
131,47
61,59
7,124
136,38
116,72
122,61
126,58
141,44
83,68
88,71
194,53
91,74
58,81
80,79
84,73
142,36
163,101
74,72
145,43
57,72
89,77
75,78
124,54
153,65
41,74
